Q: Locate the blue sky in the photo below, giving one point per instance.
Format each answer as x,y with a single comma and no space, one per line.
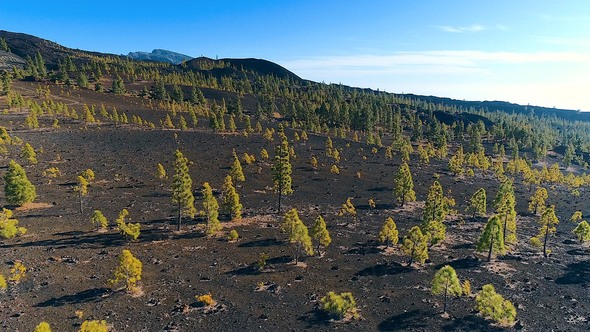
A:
526,51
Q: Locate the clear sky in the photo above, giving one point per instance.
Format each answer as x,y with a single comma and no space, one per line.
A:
525,51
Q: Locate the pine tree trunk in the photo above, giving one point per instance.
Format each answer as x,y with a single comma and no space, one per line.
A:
491,245
411,257
81,202
505,225
545,242
179,217
446,290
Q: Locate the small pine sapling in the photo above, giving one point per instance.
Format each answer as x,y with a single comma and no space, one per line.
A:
99,220
9,226
342,306
17,272
161,172
231,200
348,209
17,187
492,305
233,236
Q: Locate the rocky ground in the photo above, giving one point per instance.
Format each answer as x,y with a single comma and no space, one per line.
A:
70,263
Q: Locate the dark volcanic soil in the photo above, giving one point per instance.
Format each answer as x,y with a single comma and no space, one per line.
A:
70,263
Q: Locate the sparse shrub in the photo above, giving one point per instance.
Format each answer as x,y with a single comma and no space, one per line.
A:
262,258
372,203
17,272
94,326
3,284
334,170
52,173
233,235
206,299
341,305
43,327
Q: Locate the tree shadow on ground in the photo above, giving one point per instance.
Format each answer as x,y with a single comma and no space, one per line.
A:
470,323
253,269
578,252
363,249
405,321
462,263
261,243
384,269
89,295
380,189
315,318
576,273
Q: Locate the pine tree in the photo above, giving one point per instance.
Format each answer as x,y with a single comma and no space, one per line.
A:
445,282
282,169
492,238
82,189
434,214
389,233
182,124
492,305
341,305
9,226
129,230
236,171
182,184
231,199
537,201
118,86
477,203
29,154
128,271
456,161
298,233
548,222
415,245
17,188
99,220
211,208
582,231
404,185
320,233
505,204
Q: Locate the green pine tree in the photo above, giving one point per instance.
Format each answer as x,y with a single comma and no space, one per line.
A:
211,208
282,169
17,187
446,282
320,233
298,233
182,192
389,233
404,185
231,199
492,238
434,214
415,245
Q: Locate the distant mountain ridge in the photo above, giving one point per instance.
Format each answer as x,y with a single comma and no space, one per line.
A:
160,55
24,45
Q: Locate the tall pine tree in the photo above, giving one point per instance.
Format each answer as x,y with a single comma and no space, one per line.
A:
182,188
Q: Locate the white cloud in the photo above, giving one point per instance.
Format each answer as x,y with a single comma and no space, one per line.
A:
458,29
542,78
